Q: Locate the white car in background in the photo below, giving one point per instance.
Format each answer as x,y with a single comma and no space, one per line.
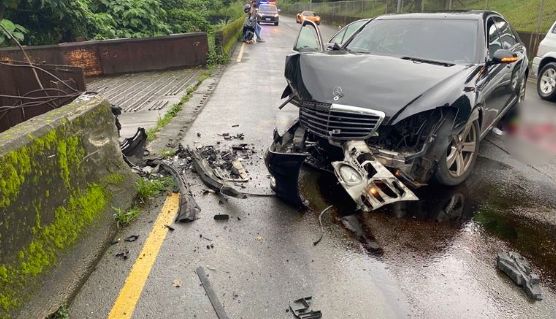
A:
544,66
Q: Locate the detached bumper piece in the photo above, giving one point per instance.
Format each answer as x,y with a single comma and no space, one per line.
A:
519,270
284,163
367,181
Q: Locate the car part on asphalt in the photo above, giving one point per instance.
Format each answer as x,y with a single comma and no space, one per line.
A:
301,309
188,209
133,148
131,238
316,242
123,254
218,308
519,270
222,217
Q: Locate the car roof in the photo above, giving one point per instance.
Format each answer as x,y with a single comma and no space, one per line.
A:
456,15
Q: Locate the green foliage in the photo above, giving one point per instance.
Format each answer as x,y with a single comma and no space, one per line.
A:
124,218
14,30
148,188
61,313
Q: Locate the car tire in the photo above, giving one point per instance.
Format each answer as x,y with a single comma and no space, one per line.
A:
452,169
276,23
546,82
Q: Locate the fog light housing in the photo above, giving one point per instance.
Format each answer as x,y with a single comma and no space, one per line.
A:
350,175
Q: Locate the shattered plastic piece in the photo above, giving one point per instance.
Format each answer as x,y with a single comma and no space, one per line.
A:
519,270
240,170
221,217
123,255
131,238
170,228
134,148
188,206
218,308
301,309
367,181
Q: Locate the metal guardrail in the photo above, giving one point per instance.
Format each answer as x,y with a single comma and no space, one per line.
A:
106,57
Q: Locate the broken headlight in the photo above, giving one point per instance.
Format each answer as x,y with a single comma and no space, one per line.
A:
349,175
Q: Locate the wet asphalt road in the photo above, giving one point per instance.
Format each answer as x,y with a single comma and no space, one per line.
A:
431,259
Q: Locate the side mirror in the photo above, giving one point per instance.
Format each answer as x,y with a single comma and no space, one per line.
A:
504,56
333,46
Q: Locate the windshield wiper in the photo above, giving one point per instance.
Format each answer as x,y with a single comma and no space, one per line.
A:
427,61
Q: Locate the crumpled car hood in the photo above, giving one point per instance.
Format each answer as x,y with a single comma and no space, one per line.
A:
386,84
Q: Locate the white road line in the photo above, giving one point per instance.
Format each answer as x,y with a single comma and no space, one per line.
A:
240,55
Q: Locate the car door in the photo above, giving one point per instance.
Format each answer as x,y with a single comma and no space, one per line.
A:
309,38
493,83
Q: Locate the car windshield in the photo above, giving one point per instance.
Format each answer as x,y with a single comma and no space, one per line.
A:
446,40
308,14
268,8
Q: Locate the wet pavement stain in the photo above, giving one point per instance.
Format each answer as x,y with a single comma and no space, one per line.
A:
420,233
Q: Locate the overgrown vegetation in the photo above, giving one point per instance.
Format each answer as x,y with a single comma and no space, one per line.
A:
524,15
61,313
36,22
125,217
148,188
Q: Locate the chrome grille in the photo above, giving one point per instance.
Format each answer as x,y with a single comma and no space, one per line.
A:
342,122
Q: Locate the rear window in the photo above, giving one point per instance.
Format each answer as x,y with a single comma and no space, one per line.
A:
268,8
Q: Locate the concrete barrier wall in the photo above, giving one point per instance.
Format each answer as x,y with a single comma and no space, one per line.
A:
227,37
59,172
120,55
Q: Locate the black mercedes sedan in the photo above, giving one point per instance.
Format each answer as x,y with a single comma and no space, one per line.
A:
406,100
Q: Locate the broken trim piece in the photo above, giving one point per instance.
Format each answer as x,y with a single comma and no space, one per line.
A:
188,208
218,308
369,183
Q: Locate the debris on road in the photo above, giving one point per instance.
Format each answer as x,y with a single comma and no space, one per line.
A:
170,228
222,217
177,283
321,227
133,148
354,225
301,309
131,238
188,208
519,270
123,254
218,308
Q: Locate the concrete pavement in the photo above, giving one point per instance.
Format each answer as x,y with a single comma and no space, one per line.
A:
438,255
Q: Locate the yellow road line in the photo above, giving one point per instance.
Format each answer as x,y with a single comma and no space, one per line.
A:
240,55
135,281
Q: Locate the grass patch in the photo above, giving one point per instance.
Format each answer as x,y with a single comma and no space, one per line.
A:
125,217
176,108
61,313
148,188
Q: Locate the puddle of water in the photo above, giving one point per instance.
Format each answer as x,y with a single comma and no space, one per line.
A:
491,208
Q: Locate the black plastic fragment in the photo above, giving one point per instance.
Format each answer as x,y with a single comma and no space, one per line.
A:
134,147
131,238
188,206
222,217
301,309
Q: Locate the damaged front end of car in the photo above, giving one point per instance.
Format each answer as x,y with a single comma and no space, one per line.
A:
374,169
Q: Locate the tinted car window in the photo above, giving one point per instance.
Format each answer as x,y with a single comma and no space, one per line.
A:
308,13
447,40
493,37
554,29
268,8
507,37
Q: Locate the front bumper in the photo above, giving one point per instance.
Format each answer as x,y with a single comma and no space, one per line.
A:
368,182
268,19
535,66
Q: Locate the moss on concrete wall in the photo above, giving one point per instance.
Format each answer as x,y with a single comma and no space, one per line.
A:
55,180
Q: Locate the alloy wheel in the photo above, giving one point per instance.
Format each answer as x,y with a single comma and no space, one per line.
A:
462,150
548,81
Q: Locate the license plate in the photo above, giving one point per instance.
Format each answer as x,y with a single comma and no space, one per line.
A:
267,19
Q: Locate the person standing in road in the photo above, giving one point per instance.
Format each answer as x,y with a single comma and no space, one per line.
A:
253,15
